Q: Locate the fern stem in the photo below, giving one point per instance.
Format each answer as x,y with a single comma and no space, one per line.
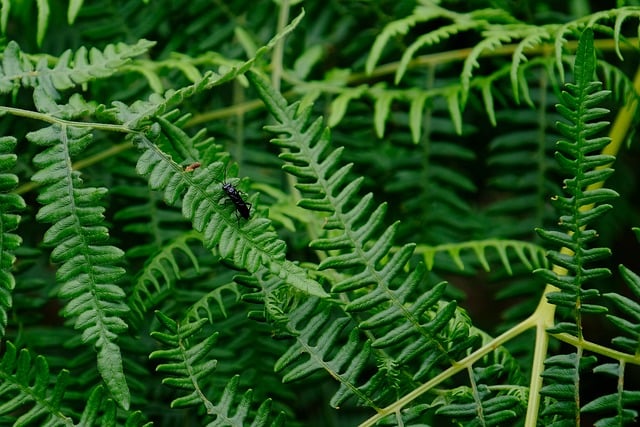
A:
544,318
278,50
462,54
528,323
476,397
62,122
592,347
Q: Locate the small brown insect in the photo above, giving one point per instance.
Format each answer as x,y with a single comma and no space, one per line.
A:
192,167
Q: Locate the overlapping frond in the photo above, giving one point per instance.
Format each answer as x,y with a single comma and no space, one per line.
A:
30,396
188,368
136,115
25,386
89,267
10,203
480,404
321,343
378,290
71,69
160,271
618,408
200,193
498,30
562,388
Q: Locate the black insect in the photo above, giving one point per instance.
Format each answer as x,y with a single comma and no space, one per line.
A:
242,208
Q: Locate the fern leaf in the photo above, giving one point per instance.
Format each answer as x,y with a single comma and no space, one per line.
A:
623,403
9,204
629,324
310,325
88,268
25,387
536,37
164,267
186,361
378,283
492,41
250,246
561,374
480,407
431,38
70,70
399,27
583,205
529,254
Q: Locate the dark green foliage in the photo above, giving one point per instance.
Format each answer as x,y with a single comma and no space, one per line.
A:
25,388
89,269
309,324
623,404
25,385
9,204
383,275
583,204
398,320
188,368
630,323
70,69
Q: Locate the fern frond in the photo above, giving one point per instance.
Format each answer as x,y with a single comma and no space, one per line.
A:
481,407
140,112
164,267
10,203
191,371
562,378
206,302
630,323
496,28
71,69
187,363
379,291
250,246
25,387
88,268
529,254
583,204
31,396
400,27
623,403
480,404
309,324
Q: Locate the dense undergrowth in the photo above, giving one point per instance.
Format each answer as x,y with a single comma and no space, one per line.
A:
319,213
